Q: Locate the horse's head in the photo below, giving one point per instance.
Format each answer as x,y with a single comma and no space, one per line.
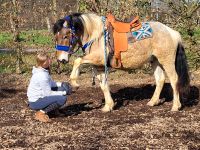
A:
67,33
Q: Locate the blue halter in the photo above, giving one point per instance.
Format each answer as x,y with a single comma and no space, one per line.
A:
62,48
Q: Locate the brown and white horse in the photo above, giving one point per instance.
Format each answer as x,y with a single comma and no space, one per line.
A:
164,50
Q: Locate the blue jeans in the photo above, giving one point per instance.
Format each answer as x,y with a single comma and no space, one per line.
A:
44,102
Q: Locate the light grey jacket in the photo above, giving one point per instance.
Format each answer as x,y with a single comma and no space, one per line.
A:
40,85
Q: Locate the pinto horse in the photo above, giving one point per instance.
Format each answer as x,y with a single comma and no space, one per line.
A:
164,50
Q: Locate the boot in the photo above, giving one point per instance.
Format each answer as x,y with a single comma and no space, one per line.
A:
41,116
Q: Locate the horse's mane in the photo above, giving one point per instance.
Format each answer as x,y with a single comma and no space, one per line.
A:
88,25
93,26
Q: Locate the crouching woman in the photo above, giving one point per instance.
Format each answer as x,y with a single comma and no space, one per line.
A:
44,94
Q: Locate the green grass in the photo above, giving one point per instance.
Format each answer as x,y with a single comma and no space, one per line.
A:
5,38
31,39
185,35
41,37
197,35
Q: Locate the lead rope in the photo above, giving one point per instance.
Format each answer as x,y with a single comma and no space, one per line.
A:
105,52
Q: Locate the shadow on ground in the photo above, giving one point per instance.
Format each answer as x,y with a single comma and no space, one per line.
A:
123,96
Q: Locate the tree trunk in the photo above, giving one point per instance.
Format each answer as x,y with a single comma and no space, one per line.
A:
16,33
48,24
54,9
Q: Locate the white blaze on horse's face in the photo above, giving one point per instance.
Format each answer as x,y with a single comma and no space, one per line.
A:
63,39
65,24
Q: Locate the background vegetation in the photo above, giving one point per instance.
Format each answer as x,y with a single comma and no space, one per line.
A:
26,25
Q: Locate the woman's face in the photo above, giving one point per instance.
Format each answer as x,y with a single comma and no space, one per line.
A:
47,63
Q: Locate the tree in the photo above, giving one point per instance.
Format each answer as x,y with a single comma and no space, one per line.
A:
185,16
16,34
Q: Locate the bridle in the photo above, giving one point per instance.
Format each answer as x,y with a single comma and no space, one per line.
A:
73,40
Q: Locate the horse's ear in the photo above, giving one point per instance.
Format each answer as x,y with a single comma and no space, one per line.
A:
58,25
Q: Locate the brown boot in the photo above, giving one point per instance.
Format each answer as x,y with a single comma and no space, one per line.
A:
41,116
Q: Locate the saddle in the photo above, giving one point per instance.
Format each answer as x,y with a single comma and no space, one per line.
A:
118,37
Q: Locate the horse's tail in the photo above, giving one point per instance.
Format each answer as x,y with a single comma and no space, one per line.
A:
181,65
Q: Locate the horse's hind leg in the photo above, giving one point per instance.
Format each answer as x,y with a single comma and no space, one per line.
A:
160,80
109,104
173,77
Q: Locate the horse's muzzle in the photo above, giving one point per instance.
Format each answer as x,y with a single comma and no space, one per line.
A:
64,61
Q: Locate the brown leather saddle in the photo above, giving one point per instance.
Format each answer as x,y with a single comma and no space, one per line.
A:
118,41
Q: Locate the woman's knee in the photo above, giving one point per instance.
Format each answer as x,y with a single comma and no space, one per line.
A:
61,101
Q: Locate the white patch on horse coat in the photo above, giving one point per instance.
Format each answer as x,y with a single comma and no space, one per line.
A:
63,56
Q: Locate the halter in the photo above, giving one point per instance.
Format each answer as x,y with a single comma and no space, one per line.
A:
72,40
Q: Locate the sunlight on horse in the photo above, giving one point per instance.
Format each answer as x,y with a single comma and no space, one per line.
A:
164,50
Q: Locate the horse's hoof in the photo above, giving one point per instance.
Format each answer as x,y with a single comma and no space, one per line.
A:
153,103
150,103
106,108
176,108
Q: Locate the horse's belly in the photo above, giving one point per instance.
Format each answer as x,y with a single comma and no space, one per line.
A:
137,54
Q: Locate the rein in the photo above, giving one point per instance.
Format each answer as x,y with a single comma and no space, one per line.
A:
105,44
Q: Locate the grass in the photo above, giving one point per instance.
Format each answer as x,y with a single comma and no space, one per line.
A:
197,35
5,38
31,39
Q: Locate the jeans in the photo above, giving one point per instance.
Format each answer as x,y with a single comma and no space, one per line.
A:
44,102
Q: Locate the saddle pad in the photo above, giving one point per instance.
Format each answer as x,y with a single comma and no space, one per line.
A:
144,32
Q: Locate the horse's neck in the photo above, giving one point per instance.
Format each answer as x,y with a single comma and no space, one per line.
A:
84,40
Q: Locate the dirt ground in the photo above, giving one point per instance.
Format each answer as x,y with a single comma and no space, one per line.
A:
131,125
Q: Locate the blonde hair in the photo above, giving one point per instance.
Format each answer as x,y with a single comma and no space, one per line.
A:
41,59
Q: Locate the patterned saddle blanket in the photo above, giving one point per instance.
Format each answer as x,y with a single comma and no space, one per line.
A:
144,32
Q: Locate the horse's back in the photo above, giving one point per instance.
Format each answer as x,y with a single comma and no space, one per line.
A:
164,32
163,42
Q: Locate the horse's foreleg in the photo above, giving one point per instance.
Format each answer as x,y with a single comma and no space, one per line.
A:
109,104
58,67
75,72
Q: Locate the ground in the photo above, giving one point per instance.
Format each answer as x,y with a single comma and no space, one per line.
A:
131,125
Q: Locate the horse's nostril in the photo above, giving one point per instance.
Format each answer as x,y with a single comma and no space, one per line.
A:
64,61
